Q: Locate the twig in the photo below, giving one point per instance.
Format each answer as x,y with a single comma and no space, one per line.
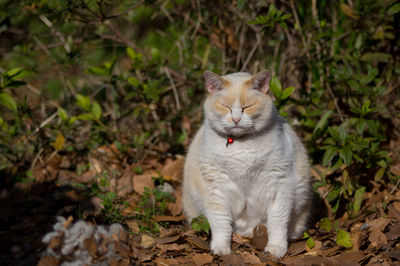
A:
394,188
296,18
251,52
41,45
178,104
44,123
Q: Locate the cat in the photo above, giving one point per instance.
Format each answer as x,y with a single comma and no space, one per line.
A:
246,166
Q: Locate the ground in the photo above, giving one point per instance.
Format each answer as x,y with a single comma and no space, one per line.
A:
30,209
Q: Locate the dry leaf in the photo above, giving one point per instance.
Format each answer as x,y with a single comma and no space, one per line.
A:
238,238
232,259
90,245
198,242
133,226
49,261
166,240
124,186
348,11
142,181
58,144
56,242
167,218
176,207
249,257
377,238
202,258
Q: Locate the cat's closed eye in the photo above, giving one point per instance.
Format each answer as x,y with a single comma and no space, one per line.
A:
226,106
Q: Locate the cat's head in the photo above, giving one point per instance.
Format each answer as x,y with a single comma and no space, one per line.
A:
238,104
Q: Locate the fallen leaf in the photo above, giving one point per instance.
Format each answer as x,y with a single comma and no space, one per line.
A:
56,242
260,237
166,218
147,241
142,181
202,258
198,242
249,257
166,240
68,222
232,259
296,248
49,261
348,11
175,207
58,144
352,257
237,238
124,186
90,245
120,250
377,238
115,262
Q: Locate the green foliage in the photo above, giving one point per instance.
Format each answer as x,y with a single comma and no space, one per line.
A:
273,17
310,241
153,202
200,224
101,72
111,206
325,224
343,239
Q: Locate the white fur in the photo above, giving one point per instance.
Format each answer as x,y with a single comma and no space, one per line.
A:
263,177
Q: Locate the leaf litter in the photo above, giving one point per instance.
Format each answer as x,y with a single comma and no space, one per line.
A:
368,238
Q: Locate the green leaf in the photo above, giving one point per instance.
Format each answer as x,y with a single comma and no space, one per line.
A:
276,88
379,173
305,235
62,114
343,239
358,197
86,116
287,92
346,154
328,155
133,81
378,57
8,101
96,110
97,71
83,102
336,206
333,194
394,9
310,242
200,224
240,4
325,224
322,123
13,72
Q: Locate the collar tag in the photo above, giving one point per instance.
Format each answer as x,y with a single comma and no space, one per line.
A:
229,140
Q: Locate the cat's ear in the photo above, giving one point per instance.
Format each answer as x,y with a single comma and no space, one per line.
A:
213,81
261,81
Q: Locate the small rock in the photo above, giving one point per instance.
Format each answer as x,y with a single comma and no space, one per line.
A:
147,241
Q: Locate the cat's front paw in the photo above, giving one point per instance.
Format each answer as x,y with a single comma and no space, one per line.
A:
220,248
277,250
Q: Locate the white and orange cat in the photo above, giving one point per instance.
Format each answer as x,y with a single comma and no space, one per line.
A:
246,166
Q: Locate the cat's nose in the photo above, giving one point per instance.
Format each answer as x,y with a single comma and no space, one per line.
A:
236,120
